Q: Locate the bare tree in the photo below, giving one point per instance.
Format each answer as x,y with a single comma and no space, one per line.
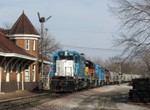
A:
128,67
7,25
112,63
135,22
134,16
49,45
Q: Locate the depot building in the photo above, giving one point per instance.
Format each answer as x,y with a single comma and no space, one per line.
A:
20,62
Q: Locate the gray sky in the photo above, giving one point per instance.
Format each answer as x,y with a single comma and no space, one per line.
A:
77,23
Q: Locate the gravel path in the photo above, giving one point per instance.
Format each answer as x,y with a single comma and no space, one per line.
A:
103,98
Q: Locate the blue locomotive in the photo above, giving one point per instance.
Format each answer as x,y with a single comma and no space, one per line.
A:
68,71
100,73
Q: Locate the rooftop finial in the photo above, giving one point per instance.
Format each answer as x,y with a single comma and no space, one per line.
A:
22,11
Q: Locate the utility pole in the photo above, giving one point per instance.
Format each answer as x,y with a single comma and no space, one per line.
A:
42,20
47,74
46,31
119,72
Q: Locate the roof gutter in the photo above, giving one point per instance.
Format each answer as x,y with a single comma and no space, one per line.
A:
44,61
17,55
23,36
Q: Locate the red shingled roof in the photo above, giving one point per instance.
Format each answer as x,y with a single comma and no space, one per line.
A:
23,26
5,31
7,46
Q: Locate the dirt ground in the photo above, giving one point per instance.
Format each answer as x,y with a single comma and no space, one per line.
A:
112,97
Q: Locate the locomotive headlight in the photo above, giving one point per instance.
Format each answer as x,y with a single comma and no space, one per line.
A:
67,74
56,74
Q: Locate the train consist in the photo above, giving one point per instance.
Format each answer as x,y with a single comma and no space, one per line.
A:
71,71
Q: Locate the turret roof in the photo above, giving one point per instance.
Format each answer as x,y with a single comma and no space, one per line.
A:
23,26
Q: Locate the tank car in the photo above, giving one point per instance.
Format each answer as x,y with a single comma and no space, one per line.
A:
68,71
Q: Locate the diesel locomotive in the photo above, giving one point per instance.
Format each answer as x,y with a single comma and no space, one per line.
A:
68,71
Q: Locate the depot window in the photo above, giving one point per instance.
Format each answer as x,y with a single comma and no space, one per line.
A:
34,73
27,74
33,45
27,44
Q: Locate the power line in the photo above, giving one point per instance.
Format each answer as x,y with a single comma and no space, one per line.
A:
91,48
85,31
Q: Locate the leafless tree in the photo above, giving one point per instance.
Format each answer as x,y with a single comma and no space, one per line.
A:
7,25
135,22
134,16
128,67
49,45
112,63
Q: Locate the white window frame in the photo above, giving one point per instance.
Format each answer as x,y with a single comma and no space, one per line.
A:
27,74
27,44
34,73
33,45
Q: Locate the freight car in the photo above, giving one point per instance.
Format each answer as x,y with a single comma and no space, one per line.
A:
124,78
113,77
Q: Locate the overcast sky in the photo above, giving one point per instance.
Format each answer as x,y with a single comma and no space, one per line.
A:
74,23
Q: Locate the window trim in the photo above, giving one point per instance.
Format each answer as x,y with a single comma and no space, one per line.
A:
34,73
34,42
27,44
27,76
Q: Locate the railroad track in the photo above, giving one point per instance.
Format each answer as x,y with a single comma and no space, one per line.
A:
31,101
28,101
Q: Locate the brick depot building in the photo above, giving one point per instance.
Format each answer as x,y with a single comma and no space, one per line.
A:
19,59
